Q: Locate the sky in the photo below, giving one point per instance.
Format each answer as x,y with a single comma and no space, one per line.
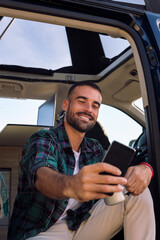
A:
31,44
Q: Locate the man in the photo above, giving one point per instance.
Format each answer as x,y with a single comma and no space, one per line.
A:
60,182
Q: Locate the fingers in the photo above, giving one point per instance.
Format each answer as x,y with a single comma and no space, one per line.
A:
137,180
135,190
132,185
97,191
91,174
89,184
103,167
129,172
104,179
104,188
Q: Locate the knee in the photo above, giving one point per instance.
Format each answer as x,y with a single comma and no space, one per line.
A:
144,200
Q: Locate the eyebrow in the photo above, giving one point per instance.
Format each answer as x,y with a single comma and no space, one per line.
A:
85,98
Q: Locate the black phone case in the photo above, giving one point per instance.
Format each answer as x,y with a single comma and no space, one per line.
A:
119,155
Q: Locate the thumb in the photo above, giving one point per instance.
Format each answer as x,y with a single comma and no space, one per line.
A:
129,172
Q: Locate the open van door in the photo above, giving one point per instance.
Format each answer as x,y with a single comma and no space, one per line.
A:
149,5
130,74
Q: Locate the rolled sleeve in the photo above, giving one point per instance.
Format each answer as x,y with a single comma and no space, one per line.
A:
39,152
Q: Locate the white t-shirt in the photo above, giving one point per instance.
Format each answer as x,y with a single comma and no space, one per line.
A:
72,203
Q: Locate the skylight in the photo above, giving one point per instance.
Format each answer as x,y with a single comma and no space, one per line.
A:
33,44
113,46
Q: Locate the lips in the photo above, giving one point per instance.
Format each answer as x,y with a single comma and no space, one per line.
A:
85,116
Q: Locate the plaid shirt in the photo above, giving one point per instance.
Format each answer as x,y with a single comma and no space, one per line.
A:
33,212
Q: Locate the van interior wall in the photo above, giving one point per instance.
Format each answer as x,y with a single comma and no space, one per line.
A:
10,157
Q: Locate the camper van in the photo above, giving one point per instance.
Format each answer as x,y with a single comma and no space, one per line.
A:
48,45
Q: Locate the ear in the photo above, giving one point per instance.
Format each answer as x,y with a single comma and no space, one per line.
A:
65,105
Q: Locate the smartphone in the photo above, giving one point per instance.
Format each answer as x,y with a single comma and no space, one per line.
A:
119,155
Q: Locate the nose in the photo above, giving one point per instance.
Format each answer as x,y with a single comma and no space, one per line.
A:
88,107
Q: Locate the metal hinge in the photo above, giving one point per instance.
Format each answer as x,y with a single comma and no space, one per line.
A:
152,56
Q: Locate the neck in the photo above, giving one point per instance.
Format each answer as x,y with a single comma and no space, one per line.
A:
75,137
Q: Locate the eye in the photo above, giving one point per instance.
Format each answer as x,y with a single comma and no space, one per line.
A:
96,106
81,101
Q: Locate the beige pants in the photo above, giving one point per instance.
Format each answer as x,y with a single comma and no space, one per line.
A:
135,214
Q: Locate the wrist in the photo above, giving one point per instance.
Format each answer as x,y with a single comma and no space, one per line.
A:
148,166
67,187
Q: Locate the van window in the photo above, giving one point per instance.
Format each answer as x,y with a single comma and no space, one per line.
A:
19,111
118,125
138,103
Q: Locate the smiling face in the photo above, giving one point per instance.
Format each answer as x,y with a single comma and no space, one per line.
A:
82,108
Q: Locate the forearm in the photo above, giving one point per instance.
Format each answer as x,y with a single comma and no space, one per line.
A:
86,185
53,184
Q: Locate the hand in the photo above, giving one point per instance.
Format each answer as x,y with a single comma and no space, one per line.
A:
139,178
88,184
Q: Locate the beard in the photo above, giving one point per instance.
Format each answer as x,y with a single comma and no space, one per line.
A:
78,124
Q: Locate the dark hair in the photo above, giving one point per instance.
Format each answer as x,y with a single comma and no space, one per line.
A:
83,83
